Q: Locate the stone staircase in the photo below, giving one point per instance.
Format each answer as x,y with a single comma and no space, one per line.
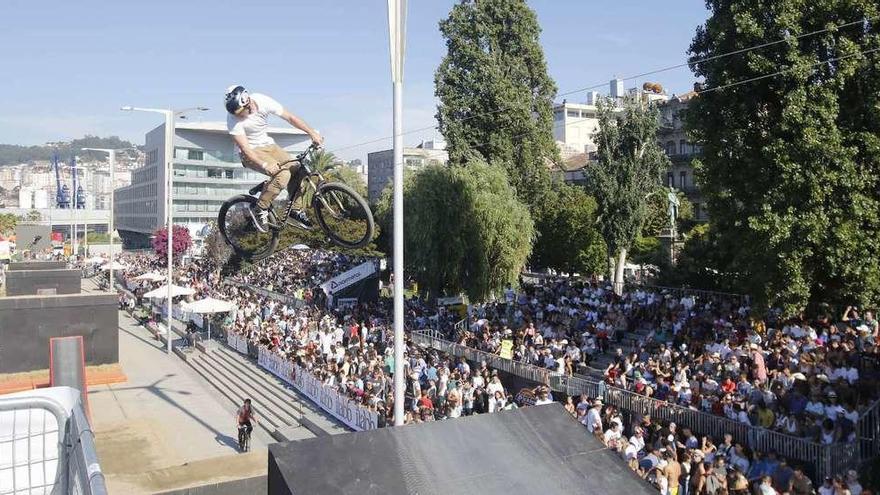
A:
281,411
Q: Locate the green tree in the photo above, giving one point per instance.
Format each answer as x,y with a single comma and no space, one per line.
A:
569,240
791,163
8,221
627,171
465,229
496,98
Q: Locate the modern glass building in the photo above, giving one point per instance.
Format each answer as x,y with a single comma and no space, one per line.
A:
207,171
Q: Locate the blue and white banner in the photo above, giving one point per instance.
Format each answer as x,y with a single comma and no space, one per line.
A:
237,342
341,407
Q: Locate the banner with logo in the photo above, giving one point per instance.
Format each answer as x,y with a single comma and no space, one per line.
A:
330,400
279,366
327,398
348,278
237,342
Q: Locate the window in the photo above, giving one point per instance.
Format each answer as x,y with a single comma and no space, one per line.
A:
670,148
228,174
682,179
573,113
215,173
670,179
558,115
683,147
179,171
152,156
697,211
195,155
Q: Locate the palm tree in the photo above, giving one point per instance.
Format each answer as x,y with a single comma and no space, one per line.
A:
324,161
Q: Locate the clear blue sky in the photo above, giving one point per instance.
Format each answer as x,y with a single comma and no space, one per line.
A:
69,66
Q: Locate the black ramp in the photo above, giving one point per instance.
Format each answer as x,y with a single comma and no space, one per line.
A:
534,450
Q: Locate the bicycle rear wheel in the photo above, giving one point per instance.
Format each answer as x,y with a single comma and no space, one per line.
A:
237,227
344,215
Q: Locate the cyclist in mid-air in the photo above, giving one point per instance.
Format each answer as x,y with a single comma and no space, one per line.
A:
246,417
248,123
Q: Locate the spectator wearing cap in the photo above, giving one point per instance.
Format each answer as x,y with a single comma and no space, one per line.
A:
852,481
594,416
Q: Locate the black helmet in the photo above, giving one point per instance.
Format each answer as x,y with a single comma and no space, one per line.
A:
237,98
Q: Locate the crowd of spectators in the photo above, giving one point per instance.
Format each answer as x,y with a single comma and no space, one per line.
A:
801,377
796,376
349,348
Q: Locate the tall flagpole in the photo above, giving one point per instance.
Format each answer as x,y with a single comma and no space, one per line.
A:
397,42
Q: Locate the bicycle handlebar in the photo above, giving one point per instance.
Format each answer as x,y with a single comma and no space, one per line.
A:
299,158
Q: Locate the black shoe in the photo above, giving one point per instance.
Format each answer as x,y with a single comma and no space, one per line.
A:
260,218
299,218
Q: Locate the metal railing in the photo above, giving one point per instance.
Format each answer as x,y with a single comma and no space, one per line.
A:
684,291
44,448
823,460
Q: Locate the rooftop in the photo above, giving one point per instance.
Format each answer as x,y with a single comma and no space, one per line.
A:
221,127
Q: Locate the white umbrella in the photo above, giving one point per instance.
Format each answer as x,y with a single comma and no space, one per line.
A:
300,247
116,266
95,260
208,305
152,277
176,290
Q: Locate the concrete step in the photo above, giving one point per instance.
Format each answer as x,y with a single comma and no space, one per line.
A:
313,417
282,400
236,391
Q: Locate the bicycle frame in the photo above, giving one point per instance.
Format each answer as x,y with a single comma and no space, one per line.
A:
309,176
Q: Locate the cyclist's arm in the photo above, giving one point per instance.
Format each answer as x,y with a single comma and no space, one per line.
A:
252,158
301,125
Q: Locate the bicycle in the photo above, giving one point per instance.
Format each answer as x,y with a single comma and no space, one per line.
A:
244,438
341,213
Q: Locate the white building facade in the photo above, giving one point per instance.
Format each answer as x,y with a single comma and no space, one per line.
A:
380,164
207,172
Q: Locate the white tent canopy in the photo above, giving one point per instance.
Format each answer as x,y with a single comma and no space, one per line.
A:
151,276
176,290
116,266
208,305
94,260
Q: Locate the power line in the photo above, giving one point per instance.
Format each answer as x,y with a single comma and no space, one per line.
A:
785,71
639,76
733,84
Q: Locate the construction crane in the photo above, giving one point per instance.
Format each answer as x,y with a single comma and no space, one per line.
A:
79,196
62,192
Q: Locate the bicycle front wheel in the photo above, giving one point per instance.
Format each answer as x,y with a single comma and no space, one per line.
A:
344,215
236,224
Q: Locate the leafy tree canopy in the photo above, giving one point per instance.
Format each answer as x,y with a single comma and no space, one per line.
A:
465,231
791,163
496,98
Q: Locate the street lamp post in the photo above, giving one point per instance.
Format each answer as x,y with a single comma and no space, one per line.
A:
397,45
169,183
112,154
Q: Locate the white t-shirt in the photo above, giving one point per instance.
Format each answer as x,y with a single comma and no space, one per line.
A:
256,125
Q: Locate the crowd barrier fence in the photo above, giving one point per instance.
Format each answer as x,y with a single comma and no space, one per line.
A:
821,460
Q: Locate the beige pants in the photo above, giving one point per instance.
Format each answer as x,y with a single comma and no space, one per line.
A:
275,154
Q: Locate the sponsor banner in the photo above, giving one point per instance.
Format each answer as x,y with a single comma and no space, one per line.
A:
340,406
237,342
275,364
330,400
349,278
